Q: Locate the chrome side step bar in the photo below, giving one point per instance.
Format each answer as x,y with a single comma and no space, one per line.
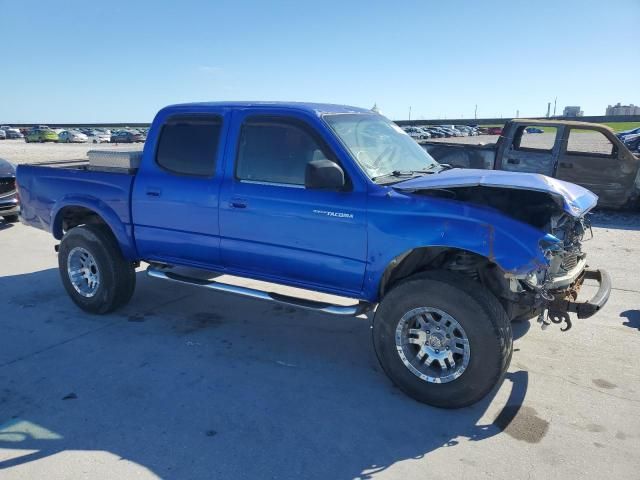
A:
343,310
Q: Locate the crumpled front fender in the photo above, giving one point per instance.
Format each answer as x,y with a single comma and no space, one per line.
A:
418,222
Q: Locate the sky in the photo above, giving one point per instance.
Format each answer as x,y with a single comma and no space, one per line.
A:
121,61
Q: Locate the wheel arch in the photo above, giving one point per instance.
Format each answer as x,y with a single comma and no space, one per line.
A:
422,259
74,212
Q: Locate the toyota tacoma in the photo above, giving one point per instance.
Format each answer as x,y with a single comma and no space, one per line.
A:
332,199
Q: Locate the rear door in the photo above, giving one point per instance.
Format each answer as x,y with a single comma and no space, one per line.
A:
531,152
175,195
590,158
272,227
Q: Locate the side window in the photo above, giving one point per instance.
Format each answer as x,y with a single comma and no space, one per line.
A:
588,142
533,137
188,145
276,150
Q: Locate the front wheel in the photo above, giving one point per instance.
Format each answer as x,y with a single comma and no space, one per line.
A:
94,273
11,218
442,339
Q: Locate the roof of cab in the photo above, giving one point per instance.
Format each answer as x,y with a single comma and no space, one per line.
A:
314,108
569,123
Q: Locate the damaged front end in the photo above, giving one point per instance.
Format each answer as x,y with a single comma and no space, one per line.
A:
559,210
554,290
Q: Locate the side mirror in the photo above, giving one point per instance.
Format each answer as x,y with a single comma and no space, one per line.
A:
323,174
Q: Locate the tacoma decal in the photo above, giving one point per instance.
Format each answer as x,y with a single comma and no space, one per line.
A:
333,214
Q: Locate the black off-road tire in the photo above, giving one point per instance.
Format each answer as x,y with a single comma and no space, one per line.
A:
11,218
480,314
117,275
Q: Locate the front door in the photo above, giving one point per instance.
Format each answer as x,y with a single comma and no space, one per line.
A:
534,152
273,227
175,197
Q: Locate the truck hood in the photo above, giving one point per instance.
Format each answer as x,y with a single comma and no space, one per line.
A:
573,199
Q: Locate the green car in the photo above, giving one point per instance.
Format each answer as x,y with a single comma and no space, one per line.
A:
41,135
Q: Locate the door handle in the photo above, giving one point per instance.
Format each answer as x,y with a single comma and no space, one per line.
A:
566,165
237,203
153,192
513,161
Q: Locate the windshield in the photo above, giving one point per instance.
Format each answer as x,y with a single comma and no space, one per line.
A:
379,146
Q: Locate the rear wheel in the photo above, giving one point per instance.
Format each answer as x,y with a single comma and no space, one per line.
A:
442,339
11,218
94,273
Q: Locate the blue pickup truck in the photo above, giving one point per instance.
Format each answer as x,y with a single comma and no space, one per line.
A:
337,200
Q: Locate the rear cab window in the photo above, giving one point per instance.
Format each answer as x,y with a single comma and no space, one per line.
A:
276,150
188,145
535,138
589,142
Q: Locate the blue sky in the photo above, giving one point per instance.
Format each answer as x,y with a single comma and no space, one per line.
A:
86,61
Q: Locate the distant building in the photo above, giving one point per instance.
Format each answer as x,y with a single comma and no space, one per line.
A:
572,112
618,109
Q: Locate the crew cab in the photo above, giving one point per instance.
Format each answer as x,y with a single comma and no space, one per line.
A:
336,200
587,154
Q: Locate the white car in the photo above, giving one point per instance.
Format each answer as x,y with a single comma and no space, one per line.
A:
72,136
99,137
13,133
415,133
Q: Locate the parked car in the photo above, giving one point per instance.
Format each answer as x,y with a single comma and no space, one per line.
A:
632,142
425,133
96,136
464,130
494,131
415,133
333,199
41,135
620,135
127,136
3,135
533,130
72,136
9,207
13,133
443,132
434,132
604,166
452,132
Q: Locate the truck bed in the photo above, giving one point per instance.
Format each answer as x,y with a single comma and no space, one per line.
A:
463,155
45,187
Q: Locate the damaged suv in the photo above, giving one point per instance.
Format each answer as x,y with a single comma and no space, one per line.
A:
337,200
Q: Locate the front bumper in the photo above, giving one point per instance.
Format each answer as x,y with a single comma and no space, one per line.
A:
9,207
566,300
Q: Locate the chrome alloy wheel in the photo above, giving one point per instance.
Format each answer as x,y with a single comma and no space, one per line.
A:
432,345
83,272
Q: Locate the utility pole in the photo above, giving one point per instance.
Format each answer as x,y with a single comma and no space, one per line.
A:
517,113
555,100
475,112
409,112
548,109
